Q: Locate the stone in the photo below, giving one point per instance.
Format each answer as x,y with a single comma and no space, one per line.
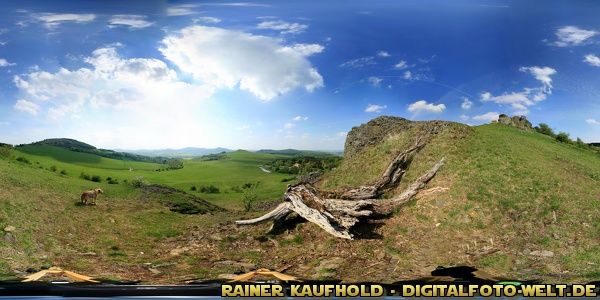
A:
542,253
519,122
381,128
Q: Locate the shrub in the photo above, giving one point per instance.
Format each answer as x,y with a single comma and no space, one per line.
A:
63,172
211,189
563,137
85,176
250,197
53,168
545,129
139,182
6,150
23,159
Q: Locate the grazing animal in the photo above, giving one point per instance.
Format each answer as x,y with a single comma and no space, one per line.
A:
93,194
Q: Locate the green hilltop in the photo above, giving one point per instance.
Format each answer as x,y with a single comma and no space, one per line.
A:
512,202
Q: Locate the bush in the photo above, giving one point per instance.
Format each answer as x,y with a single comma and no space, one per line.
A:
250,197
63,172
85,176
563,137
139,182
545,129
23,159
211,189
6,151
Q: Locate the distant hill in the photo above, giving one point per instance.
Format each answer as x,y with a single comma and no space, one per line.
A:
294,152
188,152
77,146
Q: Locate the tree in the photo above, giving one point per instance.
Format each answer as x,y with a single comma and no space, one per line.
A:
339,212
563,137
250,196
545,129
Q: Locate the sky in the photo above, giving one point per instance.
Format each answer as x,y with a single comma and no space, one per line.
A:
289,74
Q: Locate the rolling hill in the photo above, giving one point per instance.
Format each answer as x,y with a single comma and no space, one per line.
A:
511,202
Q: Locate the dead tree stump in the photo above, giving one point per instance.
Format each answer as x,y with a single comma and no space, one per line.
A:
337,216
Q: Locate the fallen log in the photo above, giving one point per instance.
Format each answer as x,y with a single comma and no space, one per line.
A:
337,216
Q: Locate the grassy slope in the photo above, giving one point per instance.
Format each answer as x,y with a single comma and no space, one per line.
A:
241,168
502,194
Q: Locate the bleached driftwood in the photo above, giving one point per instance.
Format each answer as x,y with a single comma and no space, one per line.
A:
337,216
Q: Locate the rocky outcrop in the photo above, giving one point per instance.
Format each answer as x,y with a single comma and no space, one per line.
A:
519,122
379,129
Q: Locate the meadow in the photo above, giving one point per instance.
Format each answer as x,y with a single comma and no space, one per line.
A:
517,204
228,175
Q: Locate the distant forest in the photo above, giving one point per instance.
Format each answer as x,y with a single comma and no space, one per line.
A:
303,164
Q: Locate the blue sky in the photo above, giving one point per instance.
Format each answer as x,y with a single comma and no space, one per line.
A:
289,74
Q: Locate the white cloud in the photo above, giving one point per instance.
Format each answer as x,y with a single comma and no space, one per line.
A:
288,125
401,65
110,82
592,121
283,27
133,21
520,101
466,104
383,54
464,117
225,58
300,118
5,63
592,60
211,20
342,134
491,116
573,36
375,80
375,108
541,74
423,105
408,75
181,10
359,62
26,106
52,21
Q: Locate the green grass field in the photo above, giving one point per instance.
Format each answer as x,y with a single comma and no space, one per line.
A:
502,197
501,194
242,167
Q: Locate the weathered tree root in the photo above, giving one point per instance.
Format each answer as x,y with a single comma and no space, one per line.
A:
337,216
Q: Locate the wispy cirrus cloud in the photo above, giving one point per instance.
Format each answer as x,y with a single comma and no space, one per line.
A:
573,36
375,108
422,105
181,10
53,20
131,21
359,62
207,20
283,27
